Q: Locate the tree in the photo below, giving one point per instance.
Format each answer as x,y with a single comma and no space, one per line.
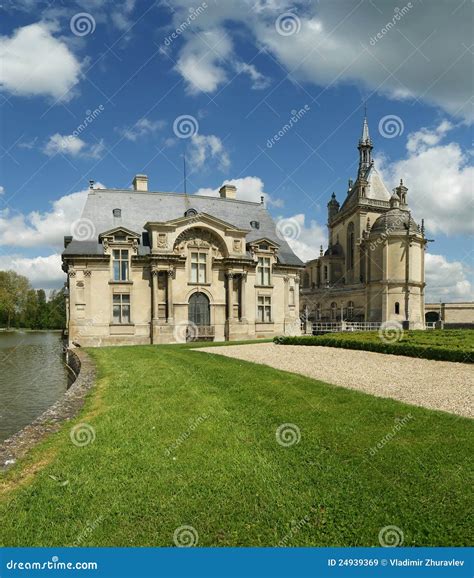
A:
13,292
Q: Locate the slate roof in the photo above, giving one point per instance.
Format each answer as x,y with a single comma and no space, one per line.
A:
376,190
394,222
137,208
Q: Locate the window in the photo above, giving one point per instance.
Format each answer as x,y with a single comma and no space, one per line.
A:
397,308
317,313
198,267
120,264
263,271
291,300
255,224
190,213
264,309
326,273
121,308
350,309
350,246
333,311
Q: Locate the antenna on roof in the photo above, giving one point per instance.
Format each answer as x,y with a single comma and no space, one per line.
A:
184,172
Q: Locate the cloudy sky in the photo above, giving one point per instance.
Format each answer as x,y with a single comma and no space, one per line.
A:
102,90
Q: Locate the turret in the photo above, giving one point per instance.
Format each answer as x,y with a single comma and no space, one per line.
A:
333,207
401,193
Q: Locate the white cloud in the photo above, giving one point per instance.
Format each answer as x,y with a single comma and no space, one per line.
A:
259,81
248,189
142,128
73,146
42,272
205,147
446,280
439,178
2,190
304,240
34,62
332,43
42,229
201,60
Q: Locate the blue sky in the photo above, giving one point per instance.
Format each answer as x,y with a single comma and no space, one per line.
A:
94,89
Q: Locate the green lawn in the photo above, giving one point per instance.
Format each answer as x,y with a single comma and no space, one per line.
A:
187,438
447,344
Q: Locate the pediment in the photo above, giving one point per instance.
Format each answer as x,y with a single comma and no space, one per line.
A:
197,220
264,241
120,231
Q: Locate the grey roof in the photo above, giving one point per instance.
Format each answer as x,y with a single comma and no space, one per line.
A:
137,208
394,221
376,189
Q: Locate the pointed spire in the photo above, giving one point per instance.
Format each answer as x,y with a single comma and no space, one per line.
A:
365,131
365,147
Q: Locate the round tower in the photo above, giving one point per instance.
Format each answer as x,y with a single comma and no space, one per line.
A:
395,276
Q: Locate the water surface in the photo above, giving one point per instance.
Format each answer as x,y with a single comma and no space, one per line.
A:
32,377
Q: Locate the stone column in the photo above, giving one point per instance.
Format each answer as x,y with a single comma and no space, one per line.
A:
286,280
230,295
243,295
169,296
154,294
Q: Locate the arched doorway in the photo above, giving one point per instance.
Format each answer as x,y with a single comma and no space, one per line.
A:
199,309
431,317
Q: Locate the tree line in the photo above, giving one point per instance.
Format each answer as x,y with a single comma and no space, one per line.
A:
23,306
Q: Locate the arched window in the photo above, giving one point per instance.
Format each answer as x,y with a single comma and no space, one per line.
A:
317,312
350,246
199,309
397,308
306,280
333,311
350,310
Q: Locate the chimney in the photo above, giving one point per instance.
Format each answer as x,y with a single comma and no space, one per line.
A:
140,183
228,192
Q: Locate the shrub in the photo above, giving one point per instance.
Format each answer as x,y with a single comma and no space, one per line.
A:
409,345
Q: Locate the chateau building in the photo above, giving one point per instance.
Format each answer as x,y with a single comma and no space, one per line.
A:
149,267
373,268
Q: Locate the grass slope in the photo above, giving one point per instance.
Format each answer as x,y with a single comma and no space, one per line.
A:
188,438
447,345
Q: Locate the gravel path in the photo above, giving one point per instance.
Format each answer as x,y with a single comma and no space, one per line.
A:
439,385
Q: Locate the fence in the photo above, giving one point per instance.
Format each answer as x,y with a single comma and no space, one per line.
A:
345,326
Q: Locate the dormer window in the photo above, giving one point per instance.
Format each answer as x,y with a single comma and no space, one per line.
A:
255,224
263,247
190,213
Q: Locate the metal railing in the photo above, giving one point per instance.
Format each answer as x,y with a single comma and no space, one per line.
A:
346,326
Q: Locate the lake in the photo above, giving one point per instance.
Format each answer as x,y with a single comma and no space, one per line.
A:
32,377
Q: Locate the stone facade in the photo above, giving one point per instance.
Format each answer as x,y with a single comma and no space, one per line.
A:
450,315
165,268
373,268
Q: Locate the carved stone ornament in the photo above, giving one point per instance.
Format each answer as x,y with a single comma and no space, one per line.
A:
87,272
237,245
197,238
71,272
